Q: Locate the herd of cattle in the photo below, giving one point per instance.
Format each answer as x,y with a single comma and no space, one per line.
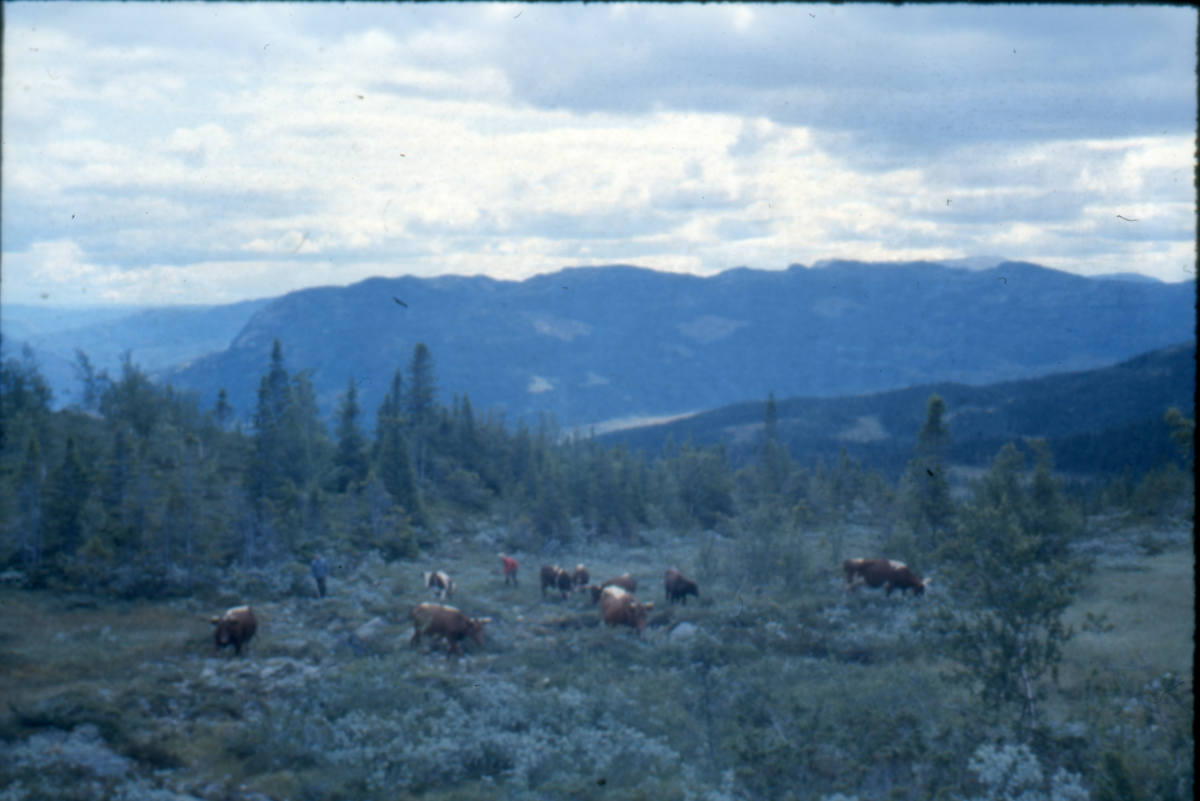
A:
618,604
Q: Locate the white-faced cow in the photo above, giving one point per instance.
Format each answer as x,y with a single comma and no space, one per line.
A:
235,628
624,581
555,577
621,608
876,573
441,584
678,587
437,620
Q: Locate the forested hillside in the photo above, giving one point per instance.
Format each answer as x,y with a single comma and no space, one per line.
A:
1097,422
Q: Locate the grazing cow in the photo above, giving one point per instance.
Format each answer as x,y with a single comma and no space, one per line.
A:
678,587
624,581
581,577
621,608
510,569
555,577
440,583
235,628
877,572
446,621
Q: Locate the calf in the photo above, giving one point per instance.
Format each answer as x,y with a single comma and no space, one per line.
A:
621,608
446,621
624,581
555,577
509,566
877,572
581,577
235,628
440,583
678,587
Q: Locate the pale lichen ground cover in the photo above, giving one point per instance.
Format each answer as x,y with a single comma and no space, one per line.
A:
332,700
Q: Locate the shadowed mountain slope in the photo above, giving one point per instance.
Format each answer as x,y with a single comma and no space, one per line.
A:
1096,421
593,344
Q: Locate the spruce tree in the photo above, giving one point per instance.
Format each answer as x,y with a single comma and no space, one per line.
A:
420,403
68,489
393,460
274,396
30,480
350,460
223,411
421,398
927,508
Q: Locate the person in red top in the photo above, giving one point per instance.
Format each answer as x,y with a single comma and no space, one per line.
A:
510,568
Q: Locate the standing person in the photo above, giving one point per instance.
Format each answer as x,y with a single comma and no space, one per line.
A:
510,569
320,570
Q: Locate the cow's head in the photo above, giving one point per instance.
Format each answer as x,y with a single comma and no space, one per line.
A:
227,628
475,628
639,615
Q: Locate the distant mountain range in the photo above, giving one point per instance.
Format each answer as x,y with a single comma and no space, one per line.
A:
1095,421
594,345
158,338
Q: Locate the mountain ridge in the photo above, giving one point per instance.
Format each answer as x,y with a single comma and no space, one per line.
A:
1094,420
591,344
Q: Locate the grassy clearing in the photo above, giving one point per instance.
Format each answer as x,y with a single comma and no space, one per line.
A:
773,691
1150,602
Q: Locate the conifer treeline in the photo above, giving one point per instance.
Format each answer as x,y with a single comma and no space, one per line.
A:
138,489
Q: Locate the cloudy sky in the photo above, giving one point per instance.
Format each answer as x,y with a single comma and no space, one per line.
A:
207,153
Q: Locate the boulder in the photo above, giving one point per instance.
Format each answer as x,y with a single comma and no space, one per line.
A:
684,631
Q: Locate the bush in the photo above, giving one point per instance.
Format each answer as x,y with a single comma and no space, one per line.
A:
1013,773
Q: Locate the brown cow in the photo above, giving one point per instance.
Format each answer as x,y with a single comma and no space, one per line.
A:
235,628
446,621
581,577
624,581
678,587
440,583
877,572
621,608
555,577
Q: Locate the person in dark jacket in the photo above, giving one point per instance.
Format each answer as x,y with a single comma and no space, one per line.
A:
320,571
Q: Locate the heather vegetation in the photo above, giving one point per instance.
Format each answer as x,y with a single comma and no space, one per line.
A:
1049,658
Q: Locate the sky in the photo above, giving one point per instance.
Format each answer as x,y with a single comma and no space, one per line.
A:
182,153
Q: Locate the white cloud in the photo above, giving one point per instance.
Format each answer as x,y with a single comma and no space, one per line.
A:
330,144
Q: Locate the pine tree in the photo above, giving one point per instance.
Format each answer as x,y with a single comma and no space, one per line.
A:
421,399
390,409
393,460
420,404
30,480
223,411
927,508
269,463
305,433
1183,431
91,383
1048,513
350,460
68,489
